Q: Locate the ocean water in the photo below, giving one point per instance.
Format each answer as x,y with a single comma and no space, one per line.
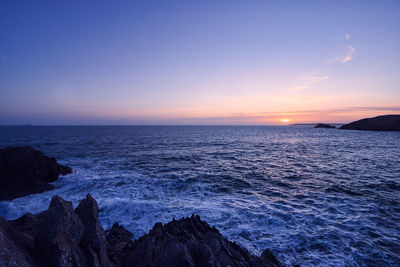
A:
315,197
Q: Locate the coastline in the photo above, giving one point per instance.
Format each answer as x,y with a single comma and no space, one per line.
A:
63,236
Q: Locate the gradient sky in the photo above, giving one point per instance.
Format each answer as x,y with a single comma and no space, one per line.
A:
198,62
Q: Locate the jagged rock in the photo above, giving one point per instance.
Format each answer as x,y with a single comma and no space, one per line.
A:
94,240
118,242
380,123
190,242
63,237
58,240
324,125
28,226
269,257
25,171
14,251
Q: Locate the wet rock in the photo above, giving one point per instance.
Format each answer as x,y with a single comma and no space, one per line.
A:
58,240
324,125
94,240
190,242
380,123
25,171
118,242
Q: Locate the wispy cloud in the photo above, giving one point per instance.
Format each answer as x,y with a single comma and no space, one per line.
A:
301,87
349,55
308,81
347,36
316,79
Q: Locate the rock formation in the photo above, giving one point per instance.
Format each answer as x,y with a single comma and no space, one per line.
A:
62,236
324,125
380,123
25,171
191,242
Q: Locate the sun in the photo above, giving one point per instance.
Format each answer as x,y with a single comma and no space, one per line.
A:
285,120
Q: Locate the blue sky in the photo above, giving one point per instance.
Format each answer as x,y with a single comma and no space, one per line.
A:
198,62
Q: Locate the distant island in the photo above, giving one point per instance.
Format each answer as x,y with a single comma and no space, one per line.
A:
379,123
324,125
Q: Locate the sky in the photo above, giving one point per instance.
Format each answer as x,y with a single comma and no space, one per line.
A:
198,62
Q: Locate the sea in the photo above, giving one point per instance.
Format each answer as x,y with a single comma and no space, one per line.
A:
314,197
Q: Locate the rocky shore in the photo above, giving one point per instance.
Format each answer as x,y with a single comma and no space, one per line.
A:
25,171
63,236
67,237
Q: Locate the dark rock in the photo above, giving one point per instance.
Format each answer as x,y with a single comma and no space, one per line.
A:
14,250
380,123
28,226
118,242
61,236
58,240
25,171
268,256
324,125
190,242
94,240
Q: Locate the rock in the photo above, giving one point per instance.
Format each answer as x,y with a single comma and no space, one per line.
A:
58,240
268,256
324,125
189,242
25,171
94,240
380,123
63,237
28,226
14,250
118,242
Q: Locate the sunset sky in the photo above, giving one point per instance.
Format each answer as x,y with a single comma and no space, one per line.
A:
198,62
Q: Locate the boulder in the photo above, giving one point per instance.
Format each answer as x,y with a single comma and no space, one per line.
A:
324,125
380,123
25,171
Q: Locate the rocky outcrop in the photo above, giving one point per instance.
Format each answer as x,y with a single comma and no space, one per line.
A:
380,123
25,171
191,242
62,236
324,125
14,249
118,242
94,238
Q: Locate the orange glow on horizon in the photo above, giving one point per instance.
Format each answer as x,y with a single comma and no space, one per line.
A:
285,120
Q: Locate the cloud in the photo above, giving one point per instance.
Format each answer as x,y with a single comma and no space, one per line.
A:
347,36
309,81
301,87
349,55
317,79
